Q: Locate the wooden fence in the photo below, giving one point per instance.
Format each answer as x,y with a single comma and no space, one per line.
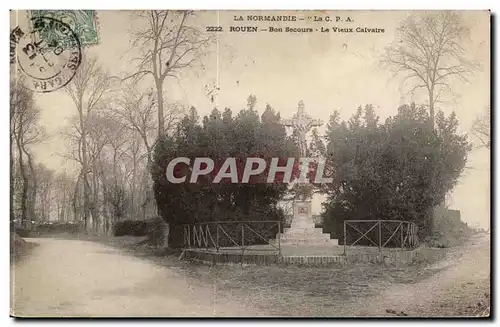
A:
380,233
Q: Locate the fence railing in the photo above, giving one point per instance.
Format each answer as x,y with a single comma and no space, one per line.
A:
380,233
256,236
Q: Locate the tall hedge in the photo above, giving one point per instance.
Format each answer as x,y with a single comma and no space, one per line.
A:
219,136
400,169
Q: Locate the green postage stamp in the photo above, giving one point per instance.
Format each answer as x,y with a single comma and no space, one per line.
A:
83,22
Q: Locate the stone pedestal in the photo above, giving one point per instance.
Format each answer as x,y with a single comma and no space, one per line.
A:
302,230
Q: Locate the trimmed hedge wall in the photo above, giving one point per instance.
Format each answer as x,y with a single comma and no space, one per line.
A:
153,228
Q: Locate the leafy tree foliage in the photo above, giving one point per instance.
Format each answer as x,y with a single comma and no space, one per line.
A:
220,135
401,169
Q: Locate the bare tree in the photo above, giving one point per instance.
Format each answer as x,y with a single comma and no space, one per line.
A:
63,188
45,192
429,52
481,128
113,158
169,44
25,131
87,89
134,153
136,111
100,136
73,135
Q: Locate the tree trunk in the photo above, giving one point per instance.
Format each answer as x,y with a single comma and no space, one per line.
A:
86,185
59,210
161,117
12,179
105,206
32,200
115,194
24,194
95,201
133,205
75,196
431,108
86,200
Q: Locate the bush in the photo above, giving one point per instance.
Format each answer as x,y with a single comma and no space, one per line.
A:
23,232
153,228
397,170
57,228
156,231
130,228
448,229
218,137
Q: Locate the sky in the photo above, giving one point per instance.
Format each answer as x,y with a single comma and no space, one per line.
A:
328,71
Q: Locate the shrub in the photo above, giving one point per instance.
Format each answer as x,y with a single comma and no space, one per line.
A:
23,232
130,228
57,228
156,231
448,229
397,170
153,228
218,137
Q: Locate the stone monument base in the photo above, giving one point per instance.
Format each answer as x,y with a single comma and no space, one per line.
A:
302,230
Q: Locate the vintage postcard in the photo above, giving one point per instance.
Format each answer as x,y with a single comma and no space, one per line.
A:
176,163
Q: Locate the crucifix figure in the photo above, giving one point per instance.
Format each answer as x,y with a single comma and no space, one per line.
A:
302,229
302,123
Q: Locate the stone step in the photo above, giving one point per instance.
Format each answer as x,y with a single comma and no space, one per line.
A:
305,233
298,234
313,240
309,242
305,236
304,229
322,241
301,227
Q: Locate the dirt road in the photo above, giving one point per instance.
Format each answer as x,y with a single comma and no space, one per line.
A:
460,288
78,278
81,278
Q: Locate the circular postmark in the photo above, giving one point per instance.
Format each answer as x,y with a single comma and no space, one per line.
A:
47,56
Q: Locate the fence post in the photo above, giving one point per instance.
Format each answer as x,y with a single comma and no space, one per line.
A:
242,243
402,232
207,232
345,237
279,238
413,235
218,246
380,235
242,236
381,255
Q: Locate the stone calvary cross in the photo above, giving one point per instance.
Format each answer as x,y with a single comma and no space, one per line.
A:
302,230
302,123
